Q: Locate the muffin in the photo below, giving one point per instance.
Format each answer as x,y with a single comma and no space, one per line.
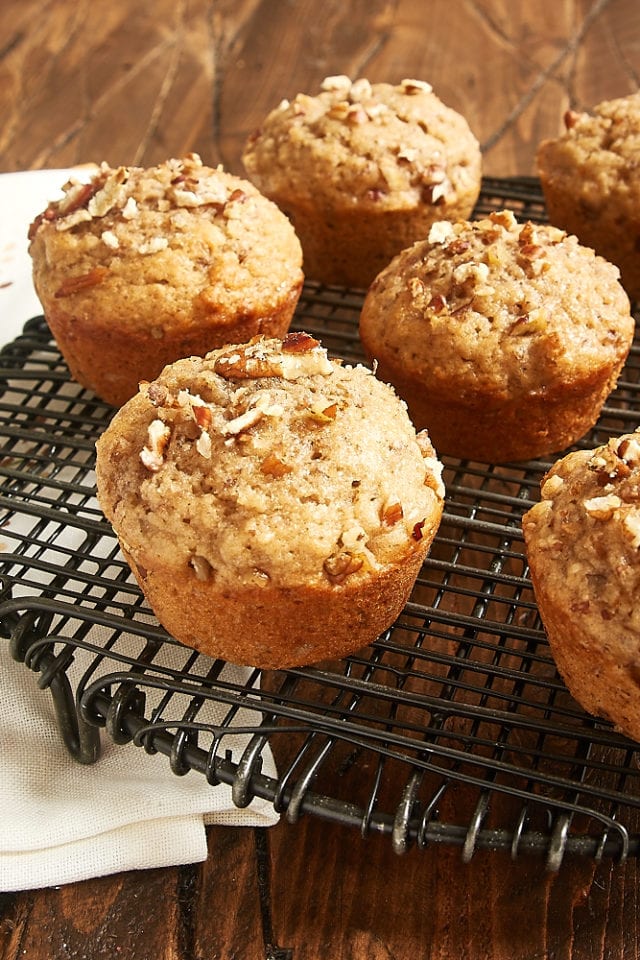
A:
139,267
363,170
582,542
591,182
505,339
275,506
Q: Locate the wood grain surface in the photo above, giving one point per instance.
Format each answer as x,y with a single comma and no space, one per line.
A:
135,82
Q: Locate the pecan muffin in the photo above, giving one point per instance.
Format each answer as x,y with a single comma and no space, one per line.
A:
142,267
274,505
591,182
504,338
583,545
363,170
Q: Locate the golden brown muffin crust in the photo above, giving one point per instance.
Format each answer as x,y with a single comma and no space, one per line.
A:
168,245
503,337
583,542
141,267
374,145
591,182
274,505
363,169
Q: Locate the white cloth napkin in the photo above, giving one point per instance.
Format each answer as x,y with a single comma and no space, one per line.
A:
63,821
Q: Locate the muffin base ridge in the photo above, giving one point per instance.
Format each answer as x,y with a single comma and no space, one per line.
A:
277,628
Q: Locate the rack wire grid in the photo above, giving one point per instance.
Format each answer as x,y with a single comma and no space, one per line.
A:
453,727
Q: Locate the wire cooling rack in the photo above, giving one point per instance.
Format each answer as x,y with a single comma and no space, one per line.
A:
453,727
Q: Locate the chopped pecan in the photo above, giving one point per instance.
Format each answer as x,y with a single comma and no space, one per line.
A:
570,118
415,86
202,416
391,513
437,303
434,193
201,566
503,218
339,110
82,282
78,195
417,530
273,466
341,565
243,422
457,247
299,342
440,231
300,356
156,393
628,449
322,412
357,115
152,455
360,89
203,445
337,84
602,508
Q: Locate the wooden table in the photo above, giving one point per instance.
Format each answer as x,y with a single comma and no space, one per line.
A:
137,82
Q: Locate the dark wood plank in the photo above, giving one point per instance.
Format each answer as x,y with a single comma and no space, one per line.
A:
337,895
225,915
200,911
134,916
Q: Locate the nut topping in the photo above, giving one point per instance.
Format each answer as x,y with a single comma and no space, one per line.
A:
631,527
201,566
260,358
602,508
417,530
415,86
203,445
628,449
551,486
152,456
83,282
273,466
337,84
441,231
391,513
340,566
299,342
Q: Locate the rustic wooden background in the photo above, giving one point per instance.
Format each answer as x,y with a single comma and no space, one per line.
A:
135,82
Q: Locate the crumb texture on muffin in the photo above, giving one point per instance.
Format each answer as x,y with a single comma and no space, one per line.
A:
362,169
583,543
140,267
268,470
591,182
496,319
377,144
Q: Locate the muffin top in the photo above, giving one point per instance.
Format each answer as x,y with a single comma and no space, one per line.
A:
164,246
498,306
598,153
376,146
588,526
268,463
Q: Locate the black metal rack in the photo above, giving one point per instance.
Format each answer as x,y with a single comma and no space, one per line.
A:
453,727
